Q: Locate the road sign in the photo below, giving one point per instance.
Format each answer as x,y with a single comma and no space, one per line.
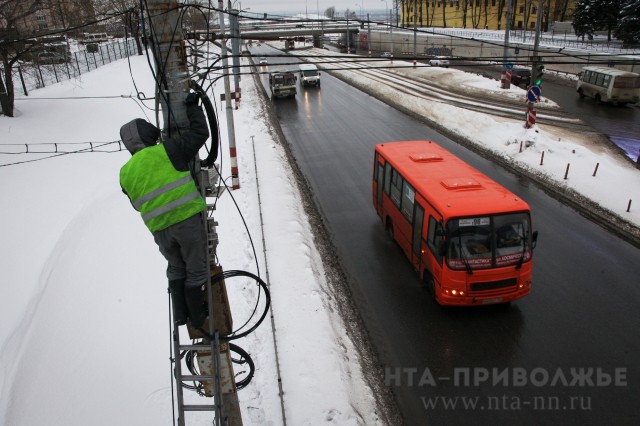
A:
533,94
517,50
508,66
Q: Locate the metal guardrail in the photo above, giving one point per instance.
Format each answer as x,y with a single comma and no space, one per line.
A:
561,39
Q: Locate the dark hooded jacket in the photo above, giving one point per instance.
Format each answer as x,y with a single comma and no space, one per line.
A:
181,149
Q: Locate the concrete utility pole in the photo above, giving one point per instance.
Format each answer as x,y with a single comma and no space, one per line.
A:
235,49
216,369
536,59
231,131
171,63
506,73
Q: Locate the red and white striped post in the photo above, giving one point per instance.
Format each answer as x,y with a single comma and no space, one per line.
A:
505,79
237,97
531,117
235,180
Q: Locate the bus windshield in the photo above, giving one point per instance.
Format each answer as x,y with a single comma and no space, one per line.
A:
488,241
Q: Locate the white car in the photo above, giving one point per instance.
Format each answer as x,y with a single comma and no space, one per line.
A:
387,55
439,61
262,61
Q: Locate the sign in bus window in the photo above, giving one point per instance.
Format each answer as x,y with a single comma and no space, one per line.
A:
408,195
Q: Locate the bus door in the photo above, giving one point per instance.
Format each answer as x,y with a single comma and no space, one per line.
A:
380,184
416,239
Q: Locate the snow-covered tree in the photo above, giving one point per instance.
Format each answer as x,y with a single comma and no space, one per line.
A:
628,29
607,15
584,18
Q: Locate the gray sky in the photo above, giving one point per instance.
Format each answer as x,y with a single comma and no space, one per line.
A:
299,6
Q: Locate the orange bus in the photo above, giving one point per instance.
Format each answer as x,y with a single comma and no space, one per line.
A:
468,237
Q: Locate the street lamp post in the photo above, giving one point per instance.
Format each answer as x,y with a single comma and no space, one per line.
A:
389,18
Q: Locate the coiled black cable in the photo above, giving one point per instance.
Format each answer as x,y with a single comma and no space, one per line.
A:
236,273
213,125
244,358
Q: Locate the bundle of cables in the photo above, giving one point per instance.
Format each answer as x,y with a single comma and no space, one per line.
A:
242,356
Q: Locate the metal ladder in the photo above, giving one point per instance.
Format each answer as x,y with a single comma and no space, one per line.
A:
217,378
211,346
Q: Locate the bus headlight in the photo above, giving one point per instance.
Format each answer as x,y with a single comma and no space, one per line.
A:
524,284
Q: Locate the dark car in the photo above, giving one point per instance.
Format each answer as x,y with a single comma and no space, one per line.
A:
50,58
521,78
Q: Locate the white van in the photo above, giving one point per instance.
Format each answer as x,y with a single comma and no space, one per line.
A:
309,75
90,38
609,85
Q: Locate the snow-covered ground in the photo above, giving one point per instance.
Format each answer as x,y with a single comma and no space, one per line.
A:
84,333
84,329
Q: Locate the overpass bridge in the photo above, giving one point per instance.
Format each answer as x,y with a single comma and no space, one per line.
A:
265,32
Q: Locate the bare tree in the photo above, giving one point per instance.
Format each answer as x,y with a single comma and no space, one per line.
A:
128,14
330,12
501,11
475,15
465,11
70,13
13,43
444,14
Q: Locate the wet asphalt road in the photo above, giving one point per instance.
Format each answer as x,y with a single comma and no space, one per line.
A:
580,322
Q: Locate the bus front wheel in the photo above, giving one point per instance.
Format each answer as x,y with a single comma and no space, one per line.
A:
429,284
581,94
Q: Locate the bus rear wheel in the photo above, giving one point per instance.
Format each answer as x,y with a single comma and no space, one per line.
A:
389,229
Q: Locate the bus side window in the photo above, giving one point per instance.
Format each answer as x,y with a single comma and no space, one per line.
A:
387,178
396,185
434,238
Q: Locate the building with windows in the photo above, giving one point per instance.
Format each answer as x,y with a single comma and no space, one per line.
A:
483,14
44,16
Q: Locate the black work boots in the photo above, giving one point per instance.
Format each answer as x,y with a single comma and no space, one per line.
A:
196,300
188,303
180,313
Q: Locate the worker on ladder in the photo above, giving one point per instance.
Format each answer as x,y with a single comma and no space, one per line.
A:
159,181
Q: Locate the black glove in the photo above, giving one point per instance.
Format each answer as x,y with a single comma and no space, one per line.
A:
192,98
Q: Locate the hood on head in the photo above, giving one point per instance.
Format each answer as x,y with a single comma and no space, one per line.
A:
138,134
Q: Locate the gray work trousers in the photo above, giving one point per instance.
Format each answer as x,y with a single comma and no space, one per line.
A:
184,245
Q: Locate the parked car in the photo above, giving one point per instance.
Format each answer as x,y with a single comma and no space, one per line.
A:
439,61
521,78
262,60
386,55
49,58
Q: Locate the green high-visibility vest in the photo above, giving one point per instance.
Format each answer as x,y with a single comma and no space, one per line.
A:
163,195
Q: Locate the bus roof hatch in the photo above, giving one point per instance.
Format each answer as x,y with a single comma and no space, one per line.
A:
425,157
461,184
